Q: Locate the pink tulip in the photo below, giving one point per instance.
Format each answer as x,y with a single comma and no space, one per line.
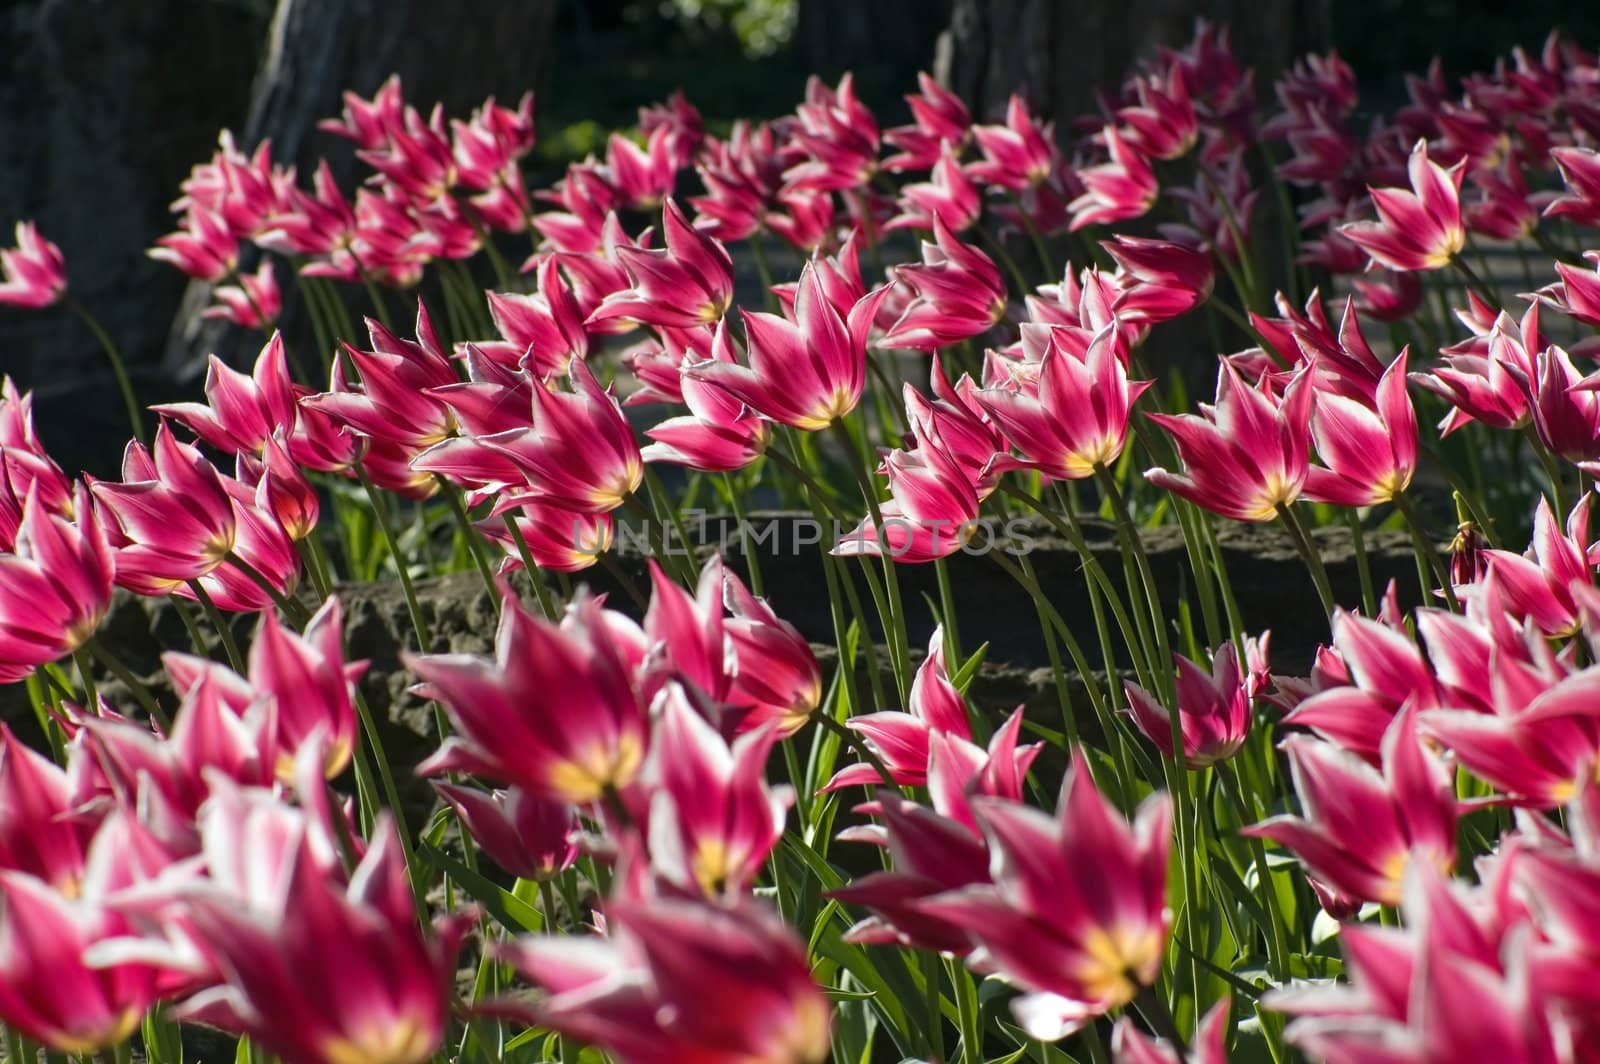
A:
545,330
931,513
1566,408
1213,710
1384,669
1580,171
554,713
1420,229
807,372
316,969
1246,456
242,412
369,123
1018,155
680,981
394,407
416,162
1541,752
35,271
577,453
713,819
643,177
280,489
1078,947
1488,385
563,541
958,294
719,434
491,142
742,176
254,303
305,674
55,586
685,284
900,740
47,991
1121,188
1160,280
1163,125
685,634
168,779
939,118
1577,294
318,223
959,770
839,134
1538,585
684,125
1363,827
1389,297
24,463
1503,209
260,542
805,219
42,833
1219,208
203,248
527,836
956,423
1076,417
1445,988
1370,451
171,519
949,195
930,855
775,668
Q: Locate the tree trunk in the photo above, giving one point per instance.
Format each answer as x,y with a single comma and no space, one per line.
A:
455,55
1058,52
103,106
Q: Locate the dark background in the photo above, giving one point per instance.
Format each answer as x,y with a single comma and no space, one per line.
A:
105,104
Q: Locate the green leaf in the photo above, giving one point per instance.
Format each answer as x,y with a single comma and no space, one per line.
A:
962,678
508,910
162,1040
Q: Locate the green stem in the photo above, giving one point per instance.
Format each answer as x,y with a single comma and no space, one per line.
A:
375,294
1309,555
1159,1017
1427,556
140,692
458,507
413,606
1277,948
391,794
535,577
1369,597
291,609
894,622
91,698
1477,283
751,558
1133,543
135,418
306,549
220,623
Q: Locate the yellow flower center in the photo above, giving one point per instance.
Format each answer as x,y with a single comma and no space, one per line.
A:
587,777
404,1041
1117,961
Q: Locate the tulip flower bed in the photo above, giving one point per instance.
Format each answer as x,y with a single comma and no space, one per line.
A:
665,832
